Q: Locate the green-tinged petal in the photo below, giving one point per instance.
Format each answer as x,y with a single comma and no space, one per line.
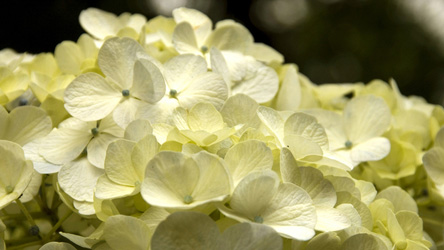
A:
78,179
181,70
126,232
57,246
138,129
330,219
366,117
231,36
363,241
240,109
107,189
371,150
33,187
203,116
97,149
363,210
289,167
153,216
394,229
99,23
251,236
170,179
144,150
401,199
186,230
289,95
264,53
433,164
379,209
411,224
306,126
26,124
116,60
344,184
90,97
148,82
254,193
200,23
69,57
439,139
54,107
367,190
246,157
16,172
118,164
184,39
327,240
55,149
208,87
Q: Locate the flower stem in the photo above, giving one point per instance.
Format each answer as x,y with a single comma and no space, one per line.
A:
28,217
56,226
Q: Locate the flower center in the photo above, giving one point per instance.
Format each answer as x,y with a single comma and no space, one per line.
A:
173,93
187,199
348,144
125,92
95,131
258,219
9,189
204,49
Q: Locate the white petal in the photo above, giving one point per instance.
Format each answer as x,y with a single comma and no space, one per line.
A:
366,117
97,149
55,148
181,70
78,179
148,83
289,96
246,157
127,111
207,87
201,24
184,39
254,193
99,23
116,60
330,219
230,35
90,97
107,189
371,150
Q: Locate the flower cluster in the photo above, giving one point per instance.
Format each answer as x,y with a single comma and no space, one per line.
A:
170,133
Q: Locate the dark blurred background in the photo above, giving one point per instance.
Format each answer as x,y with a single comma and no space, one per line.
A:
330,40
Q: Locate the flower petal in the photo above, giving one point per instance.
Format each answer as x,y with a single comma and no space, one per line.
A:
90,97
